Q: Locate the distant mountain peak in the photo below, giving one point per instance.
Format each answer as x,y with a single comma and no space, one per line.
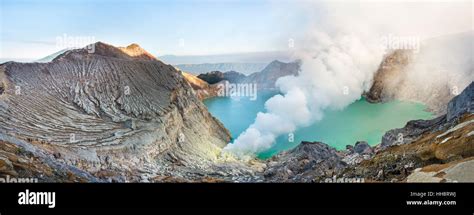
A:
132,51
51,57
135,50
276,62
134,45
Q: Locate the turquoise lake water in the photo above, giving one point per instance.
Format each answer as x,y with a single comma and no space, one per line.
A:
359,121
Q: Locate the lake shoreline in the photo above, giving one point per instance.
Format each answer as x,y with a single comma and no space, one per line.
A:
363,107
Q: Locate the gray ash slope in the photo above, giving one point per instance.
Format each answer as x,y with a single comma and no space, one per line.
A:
117,113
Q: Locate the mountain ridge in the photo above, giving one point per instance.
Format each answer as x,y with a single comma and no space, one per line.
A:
116,116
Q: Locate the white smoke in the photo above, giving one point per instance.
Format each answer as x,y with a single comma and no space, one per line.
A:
334,74
440,71
339,60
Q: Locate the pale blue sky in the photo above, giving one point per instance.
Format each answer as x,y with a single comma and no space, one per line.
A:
29,28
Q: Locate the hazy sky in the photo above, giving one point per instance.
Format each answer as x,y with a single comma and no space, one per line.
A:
29,29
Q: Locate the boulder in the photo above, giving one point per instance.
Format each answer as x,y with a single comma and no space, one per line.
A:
362,147
308,162
462,103
5,164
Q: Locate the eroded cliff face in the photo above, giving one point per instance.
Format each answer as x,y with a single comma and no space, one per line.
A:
202,89
432,75
393,81
118,114
389,76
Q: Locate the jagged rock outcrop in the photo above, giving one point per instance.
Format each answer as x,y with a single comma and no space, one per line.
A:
433,74
389,76
359,152
362,147
217,76
448,145
202,89
412,130
457,107
308,162
393,81
117,113
456,171
463,103
437,150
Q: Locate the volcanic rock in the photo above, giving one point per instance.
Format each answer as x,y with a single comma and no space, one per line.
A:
308,162
115,109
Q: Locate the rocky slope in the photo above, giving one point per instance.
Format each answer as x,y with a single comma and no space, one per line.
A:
389,76
309,162
391,82
22,162
438,150
443,146
51,57
118,114
202,89
432,75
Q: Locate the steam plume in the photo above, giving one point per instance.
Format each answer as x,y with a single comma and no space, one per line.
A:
339,61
